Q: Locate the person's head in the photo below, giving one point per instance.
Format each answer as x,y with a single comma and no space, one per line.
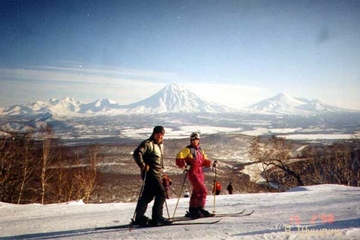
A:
195,139
158,134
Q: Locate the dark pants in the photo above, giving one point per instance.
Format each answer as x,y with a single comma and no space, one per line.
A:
153,189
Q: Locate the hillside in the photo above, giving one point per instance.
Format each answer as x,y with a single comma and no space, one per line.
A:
313,212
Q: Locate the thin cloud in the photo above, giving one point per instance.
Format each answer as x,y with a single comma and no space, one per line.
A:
84,83
80,75
112,72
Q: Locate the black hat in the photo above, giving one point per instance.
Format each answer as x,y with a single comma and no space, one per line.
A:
159,129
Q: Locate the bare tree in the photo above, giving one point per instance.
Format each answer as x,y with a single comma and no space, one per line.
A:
337,163
355,166
87,175
46,158
29,165
6,166
61,178
37,170
276,158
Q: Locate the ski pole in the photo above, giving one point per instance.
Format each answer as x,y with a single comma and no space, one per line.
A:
166,182
141,192
181,190
167,209
214,187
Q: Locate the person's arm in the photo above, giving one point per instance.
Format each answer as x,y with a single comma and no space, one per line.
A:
206,162
181,157
138,155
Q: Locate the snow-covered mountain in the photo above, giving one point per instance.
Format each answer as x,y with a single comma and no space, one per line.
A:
171,99
173,105
100,106
286,104
176,98
63,106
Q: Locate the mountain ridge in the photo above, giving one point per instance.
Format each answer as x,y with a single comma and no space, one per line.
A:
283,103
172,98
177,108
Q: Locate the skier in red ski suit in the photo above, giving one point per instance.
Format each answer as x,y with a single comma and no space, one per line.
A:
194,159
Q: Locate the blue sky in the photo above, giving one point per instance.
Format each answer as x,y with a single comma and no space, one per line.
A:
229,52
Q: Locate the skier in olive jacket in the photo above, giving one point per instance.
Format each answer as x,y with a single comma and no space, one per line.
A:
149,157
194,159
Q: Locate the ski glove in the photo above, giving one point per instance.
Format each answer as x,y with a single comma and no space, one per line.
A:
145,168
215,164
187,167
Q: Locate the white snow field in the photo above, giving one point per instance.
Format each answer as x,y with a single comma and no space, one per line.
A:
311,212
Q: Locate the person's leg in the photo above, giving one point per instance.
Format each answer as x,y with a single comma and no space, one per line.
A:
160,198
141,207
198,197
202,200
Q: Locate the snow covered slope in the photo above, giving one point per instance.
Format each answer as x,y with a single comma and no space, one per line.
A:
313,212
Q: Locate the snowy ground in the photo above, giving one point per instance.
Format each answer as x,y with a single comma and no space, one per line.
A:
314,212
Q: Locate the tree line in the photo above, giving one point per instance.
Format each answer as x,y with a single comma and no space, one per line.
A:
37,169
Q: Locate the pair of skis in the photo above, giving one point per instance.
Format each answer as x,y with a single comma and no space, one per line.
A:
131,226
219,215
178,221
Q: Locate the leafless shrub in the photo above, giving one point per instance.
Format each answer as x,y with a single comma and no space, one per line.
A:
337,163
86,176
275,156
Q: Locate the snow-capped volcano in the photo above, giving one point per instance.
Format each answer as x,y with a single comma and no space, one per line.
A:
286,104
175,98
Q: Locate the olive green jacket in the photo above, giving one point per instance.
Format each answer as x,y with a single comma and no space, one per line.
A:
151,154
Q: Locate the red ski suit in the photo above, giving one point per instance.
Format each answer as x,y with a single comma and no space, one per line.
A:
195,173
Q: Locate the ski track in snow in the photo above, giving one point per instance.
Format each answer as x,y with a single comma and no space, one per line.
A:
313,212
